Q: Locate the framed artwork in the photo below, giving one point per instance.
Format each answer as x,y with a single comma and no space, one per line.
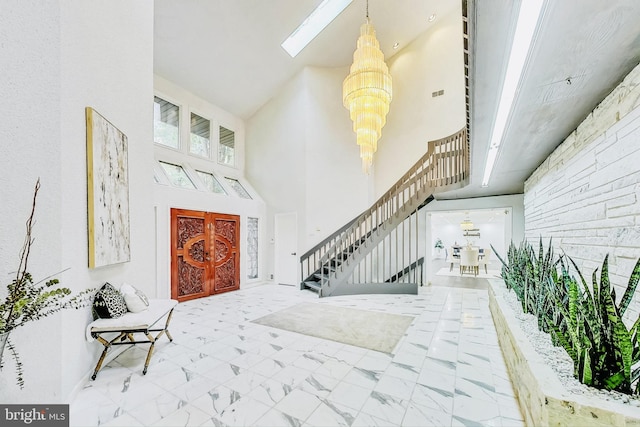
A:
107,192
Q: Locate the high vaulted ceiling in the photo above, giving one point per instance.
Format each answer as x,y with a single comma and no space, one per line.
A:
228,52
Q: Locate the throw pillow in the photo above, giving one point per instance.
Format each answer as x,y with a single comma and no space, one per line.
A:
134,298
108,303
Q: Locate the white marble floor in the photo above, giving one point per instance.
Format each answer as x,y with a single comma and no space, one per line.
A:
223,370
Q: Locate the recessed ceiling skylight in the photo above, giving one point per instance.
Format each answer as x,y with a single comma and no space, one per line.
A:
528,17
313,24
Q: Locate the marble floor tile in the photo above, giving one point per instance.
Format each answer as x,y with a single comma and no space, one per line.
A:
101,412
405,371
245,382
436,365
154,410
318,385
172,379
268,367
348,355
393,386
216,400
274,418
433,397
193,389
224,370
270,392
188,415
421,416
476,389
385,407
467,409
350,395
291,375
362,377
299,404
366,420
330,414
243,412
125,420
334,368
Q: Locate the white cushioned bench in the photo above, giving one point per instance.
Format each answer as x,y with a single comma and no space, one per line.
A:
145,322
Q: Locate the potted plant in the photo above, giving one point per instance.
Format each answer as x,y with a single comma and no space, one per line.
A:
28,301
438,247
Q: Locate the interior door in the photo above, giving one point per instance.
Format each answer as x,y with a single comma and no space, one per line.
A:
189,252
226,253
205,253
287,265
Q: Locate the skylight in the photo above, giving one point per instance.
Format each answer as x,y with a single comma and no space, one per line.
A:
313,24
527,22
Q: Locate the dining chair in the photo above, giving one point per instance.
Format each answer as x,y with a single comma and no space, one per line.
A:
486,259
469,261
453,259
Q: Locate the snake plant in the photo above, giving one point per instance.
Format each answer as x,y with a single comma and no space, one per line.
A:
584,319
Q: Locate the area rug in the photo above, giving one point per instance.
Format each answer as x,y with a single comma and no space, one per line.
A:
491,274
368,329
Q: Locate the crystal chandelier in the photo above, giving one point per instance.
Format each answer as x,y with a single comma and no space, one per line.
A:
366,92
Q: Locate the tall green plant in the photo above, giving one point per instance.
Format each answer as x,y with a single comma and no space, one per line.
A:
527,274
584,319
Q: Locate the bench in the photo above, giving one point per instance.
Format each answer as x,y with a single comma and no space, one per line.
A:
129,324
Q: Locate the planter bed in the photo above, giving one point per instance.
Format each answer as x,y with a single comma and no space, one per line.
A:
544,400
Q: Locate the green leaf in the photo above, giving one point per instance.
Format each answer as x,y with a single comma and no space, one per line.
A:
631,288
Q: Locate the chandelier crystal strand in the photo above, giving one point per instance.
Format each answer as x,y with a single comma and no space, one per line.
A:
367,93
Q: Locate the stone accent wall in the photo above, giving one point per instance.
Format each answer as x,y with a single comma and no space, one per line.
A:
586,194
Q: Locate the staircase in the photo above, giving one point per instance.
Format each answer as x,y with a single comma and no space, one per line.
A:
374,252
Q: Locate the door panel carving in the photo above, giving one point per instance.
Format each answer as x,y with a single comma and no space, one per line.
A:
204,253
227,271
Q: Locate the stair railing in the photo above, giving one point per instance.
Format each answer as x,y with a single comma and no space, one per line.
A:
445,163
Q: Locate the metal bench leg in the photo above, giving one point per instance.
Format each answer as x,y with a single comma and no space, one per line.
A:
166,326
107,346
150,352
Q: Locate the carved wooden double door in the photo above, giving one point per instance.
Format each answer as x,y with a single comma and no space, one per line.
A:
205,253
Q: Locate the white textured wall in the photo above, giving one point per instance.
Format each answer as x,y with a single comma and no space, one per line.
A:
274,152
57,58
30,139
107,64
302,157
336,189
586,195
432,62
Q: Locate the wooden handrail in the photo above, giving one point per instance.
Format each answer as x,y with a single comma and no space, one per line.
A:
445,163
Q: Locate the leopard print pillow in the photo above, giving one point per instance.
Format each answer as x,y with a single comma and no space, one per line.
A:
108,303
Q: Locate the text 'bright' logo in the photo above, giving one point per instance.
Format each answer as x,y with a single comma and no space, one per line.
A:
52,415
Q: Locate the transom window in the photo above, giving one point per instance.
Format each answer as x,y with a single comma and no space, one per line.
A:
199,140
238,188
210,182
166,120
177,175
226,147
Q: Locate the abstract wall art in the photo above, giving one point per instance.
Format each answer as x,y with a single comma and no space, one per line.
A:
107,192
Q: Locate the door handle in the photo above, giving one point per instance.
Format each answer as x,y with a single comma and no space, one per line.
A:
293,253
